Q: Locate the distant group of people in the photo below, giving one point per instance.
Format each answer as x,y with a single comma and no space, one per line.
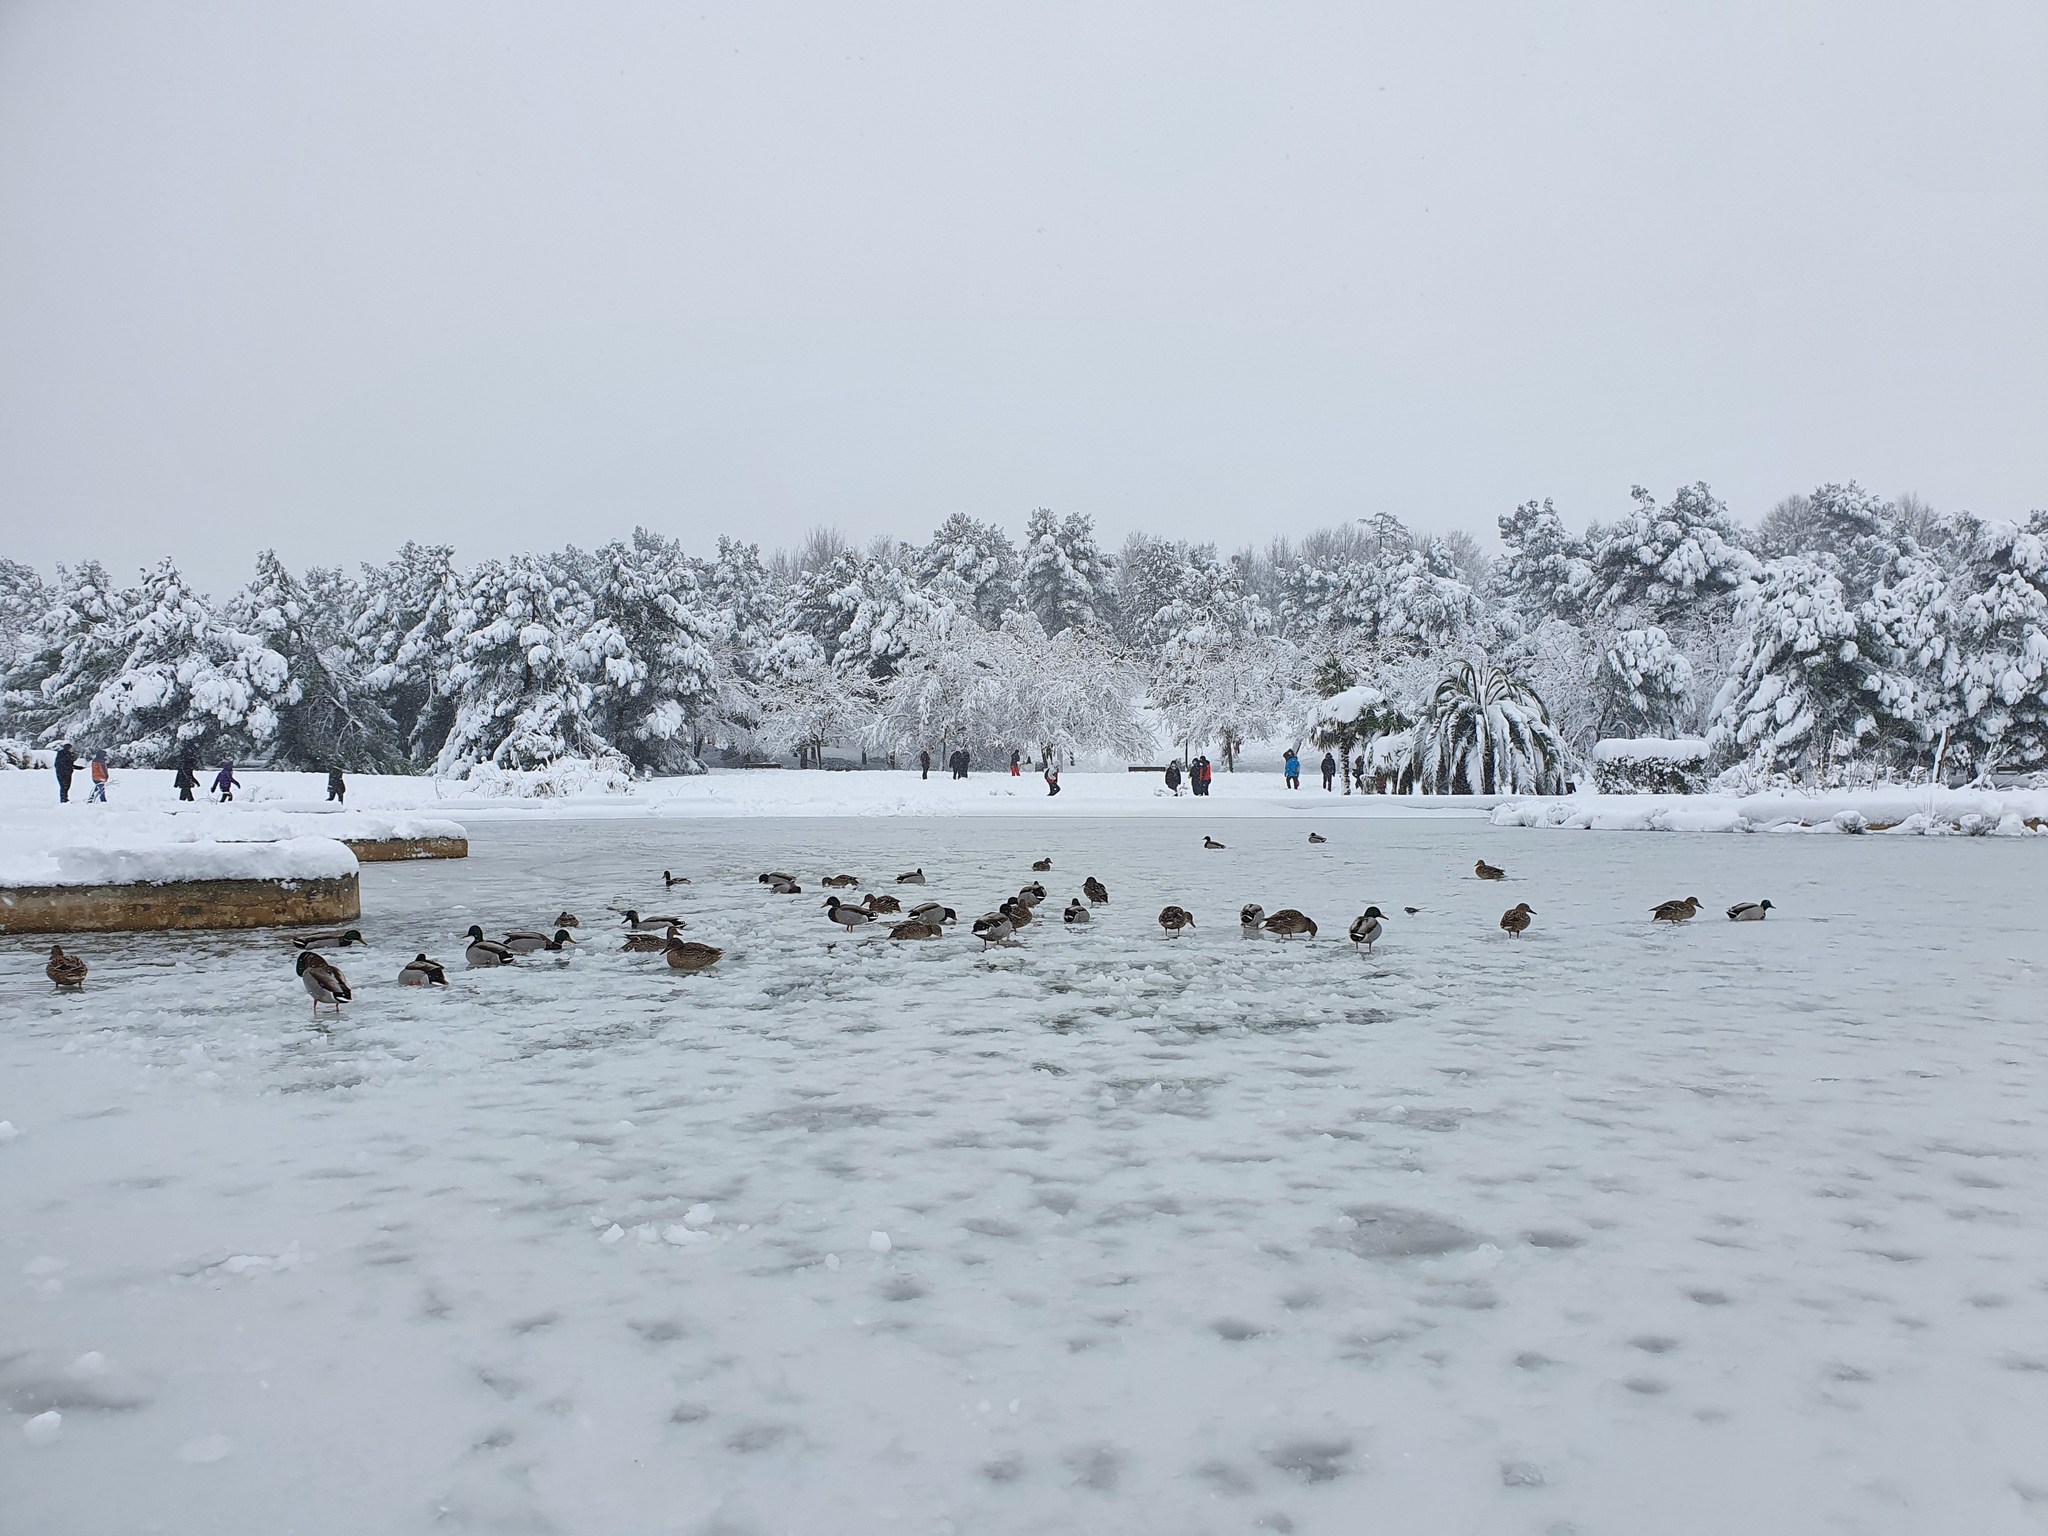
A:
185,780
1198,775
960,760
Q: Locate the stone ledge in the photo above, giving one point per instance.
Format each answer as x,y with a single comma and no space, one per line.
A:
387,850
143,908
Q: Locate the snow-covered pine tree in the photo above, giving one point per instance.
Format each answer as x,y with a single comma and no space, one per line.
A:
64,655
1066,579
972,566
185,680
1642,683
326,718
1668,563
1804,693
748,608
654,653
405,635
2003,677
1546,571
524,678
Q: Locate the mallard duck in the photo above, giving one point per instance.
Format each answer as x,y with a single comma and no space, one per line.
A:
419,971
932,912
840,880
915,929
1317,837
567,920
1367,927
323,983
846,914
1675,911
689,955
1041,866
1096,892
483,951
1515,920
1173,919
1032,894
1021,914
1486,871
878,904
648,943
1290,924
1210,842
1749,911
994,928
777,877
669,882
651,924
341,940
786,888
915,877
67,971
1251,919
1411,911
524,941
1076,912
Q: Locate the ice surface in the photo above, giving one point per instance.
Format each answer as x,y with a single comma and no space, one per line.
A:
1613,1228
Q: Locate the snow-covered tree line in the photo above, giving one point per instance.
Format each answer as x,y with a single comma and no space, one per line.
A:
1845,635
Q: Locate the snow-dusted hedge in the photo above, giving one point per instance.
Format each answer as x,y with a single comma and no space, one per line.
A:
1651,765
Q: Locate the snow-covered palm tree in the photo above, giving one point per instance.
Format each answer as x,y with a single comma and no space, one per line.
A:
1486,732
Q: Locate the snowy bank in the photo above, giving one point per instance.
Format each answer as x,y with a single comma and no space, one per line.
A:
1906,810
164,863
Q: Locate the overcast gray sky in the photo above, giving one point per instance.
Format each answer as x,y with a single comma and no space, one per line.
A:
328,276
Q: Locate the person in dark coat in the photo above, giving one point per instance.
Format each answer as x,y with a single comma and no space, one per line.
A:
225,783
958,762
337,786
1016,763
187,777
1329,772
66,765
1173,777
924,765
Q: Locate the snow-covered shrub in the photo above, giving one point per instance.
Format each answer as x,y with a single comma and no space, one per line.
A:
1651,766
606,775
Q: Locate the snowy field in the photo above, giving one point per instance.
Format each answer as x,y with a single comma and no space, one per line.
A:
1613,1229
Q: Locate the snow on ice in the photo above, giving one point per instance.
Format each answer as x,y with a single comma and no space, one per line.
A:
1612,1228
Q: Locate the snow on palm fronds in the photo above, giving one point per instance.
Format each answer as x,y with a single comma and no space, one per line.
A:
1486,732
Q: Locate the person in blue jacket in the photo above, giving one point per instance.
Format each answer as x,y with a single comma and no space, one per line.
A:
1293,767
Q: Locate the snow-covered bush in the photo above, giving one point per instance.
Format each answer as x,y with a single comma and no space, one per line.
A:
1651,766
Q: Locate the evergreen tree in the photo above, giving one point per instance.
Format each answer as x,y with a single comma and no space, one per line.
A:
325,717
653,651
524,676
1546,571
1668,563
1642,683
1065,578
2003,677
405,637
971,565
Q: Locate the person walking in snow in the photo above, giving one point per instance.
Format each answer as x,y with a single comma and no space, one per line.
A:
99,777
1201,776
1329,772
1173,777
225,783
187,778
924,764
337,786
66,765
1292,767
1052,777
1016,763
958,762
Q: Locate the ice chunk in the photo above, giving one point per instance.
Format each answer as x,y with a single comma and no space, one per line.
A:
831,1261
7,1130
683,1237
44,1428
699,1215
879,1242
612,1233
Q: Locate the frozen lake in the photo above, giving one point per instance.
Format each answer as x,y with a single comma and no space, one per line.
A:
1735,1227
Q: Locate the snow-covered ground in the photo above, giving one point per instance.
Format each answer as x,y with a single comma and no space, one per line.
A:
1612,1229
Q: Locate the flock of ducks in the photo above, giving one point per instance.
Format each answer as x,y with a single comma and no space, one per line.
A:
662,934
